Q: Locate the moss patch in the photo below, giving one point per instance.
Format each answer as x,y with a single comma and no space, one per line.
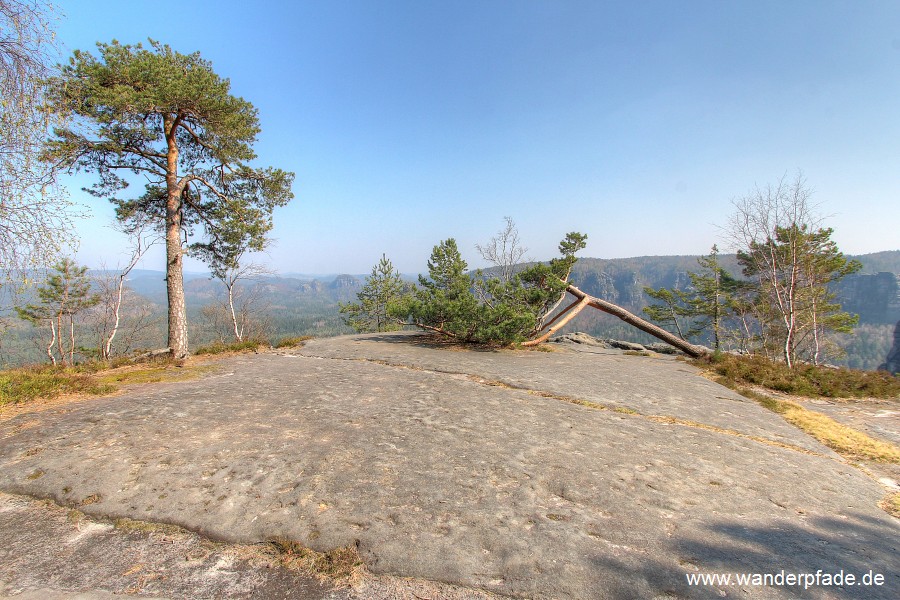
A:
26,384
151,374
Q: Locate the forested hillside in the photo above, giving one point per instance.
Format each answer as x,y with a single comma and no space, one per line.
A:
873,294
288,306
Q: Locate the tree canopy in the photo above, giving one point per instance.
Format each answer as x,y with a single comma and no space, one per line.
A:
65,293
383,290
792,270
169,118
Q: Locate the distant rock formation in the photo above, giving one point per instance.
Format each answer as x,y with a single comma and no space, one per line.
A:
345,282
892,363
875,298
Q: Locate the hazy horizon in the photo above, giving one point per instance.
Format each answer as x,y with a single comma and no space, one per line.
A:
410,122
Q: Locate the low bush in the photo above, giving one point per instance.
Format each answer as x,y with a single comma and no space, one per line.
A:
29,383
802,380
292,341
222,347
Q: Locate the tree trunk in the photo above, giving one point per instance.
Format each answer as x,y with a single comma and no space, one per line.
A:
572,311
645,326
717,314
178,342
59,340
238,332
817,348
72,339
52,342
107,349
178,338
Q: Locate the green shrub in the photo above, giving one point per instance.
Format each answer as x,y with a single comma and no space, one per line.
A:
293,341
221,347
486,309
802,380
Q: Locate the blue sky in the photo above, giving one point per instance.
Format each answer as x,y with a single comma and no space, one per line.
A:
634,122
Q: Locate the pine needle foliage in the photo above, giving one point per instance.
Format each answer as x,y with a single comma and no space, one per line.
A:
170,120
373,312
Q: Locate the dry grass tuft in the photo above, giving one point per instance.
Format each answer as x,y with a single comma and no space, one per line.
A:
842,439
290,342
340,564
92,499
891,505
149,528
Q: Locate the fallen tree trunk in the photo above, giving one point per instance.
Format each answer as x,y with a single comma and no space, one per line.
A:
617,311
572,310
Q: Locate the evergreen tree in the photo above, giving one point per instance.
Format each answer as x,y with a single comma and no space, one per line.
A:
64,294
444,301
674,308
823,265
701,309
170,119
551,280
712,297
792,270
377,300
482,309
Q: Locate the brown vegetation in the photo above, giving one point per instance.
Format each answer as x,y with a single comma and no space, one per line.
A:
801,380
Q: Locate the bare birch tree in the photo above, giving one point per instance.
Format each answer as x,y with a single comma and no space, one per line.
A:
791,261
504,251
243,303
35,213
142,236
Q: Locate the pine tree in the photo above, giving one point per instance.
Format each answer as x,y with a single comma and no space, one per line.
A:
64,294
377,300
168,118
674,308
823,265
712,297
444,301
488,309
792,270
702,308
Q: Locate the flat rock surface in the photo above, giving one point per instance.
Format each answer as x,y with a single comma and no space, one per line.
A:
52,553
653,385
427,460
40,542
878,418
